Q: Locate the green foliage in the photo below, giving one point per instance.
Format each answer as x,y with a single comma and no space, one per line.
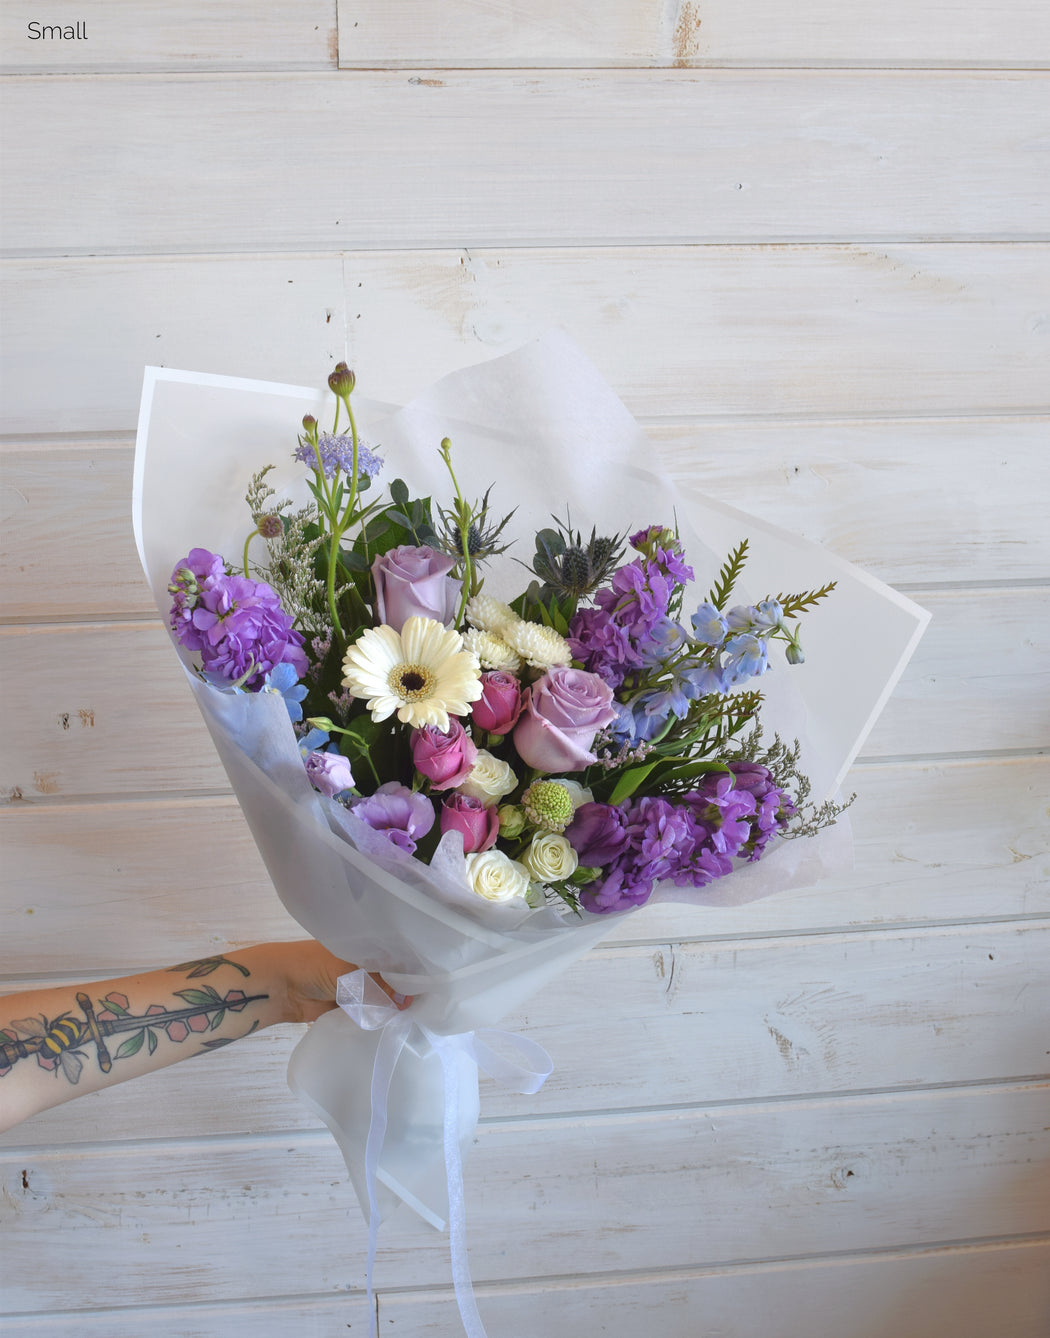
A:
795,604
720,592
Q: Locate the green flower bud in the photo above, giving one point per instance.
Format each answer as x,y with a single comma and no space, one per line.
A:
584,875
793,653
321,722
342,380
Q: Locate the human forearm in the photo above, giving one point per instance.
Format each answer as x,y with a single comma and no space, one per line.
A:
58,1043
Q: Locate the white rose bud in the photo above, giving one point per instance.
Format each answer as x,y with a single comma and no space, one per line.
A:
490,780
496,877
550,858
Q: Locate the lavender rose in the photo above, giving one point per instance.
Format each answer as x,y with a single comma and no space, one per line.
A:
563,712
414,581
397,813
500,703
446,758
478,824
329,772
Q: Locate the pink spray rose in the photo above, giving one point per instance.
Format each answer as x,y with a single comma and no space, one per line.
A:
414,581
500,703
479,824
562,713
444,758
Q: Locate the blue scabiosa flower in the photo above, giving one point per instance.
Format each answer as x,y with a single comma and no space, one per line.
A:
337,452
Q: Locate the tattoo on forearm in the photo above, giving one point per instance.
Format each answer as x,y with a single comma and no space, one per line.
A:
60,1043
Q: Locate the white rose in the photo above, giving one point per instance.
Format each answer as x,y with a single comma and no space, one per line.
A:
550,858
579,794
490,780
496,877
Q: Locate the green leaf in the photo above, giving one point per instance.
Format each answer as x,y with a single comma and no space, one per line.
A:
114,1007
719,593
629,781
217,1019
151,1037
399,492
131,1046
399,518
198,998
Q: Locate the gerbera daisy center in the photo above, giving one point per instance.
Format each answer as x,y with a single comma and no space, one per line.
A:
411,682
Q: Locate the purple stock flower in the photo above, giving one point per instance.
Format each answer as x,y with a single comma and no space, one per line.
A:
662,837
637,598
602,646
397,813
236,624
617,890
722,811
773,807
660,545
337,452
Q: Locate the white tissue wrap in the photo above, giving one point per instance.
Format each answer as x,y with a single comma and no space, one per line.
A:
541,426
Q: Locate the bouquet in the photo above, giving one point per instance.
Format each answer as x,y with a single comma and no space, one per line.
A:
469,734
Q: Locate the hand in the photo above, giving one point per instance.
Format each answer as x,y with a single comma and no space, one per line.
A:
311,972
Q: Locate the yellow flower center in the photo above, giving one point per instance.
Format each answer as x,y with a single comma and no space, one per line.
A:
411,682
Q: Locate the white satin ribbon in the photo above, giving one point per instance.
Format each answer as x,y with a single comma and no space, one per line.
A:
362,999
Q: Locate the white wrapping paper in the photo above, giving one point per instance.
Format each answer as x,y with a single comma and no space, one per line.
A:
542,426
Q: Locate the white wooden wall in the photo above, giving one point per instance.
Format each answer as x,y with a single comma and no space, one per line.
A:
807,244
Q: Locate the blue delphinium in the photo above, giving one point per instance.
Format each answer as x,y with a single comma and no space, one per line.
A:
284,681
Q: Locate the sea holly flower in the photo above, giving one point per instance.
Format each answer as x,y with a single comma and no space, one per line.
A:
421,672
397,813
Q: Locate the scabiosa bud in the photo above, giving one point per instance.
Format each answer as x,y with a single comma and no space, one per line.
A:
793,653
310,425
548,805
342,381
270,527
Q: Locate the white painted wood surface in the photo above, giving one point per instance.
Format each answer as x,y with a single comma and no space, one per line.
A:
903,33
381,159
826,293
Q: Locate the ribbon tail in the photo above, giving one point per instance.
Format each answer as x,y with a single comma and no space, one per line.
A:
457,1224
391,1043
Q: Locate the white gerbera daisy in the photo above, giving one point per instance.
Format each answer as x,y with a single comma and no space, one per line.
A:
422,672
541,647
492,651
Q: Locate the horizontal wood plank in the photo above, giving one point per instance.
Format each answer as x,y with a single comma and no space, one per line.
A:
919,501
954,1292
948,1293
194,35
842,331
77,719
611,1192
119,872
478,159
412,33
770,1018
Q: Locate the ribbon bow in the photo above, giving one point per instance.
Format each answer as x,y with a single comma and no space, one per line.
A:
358,995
